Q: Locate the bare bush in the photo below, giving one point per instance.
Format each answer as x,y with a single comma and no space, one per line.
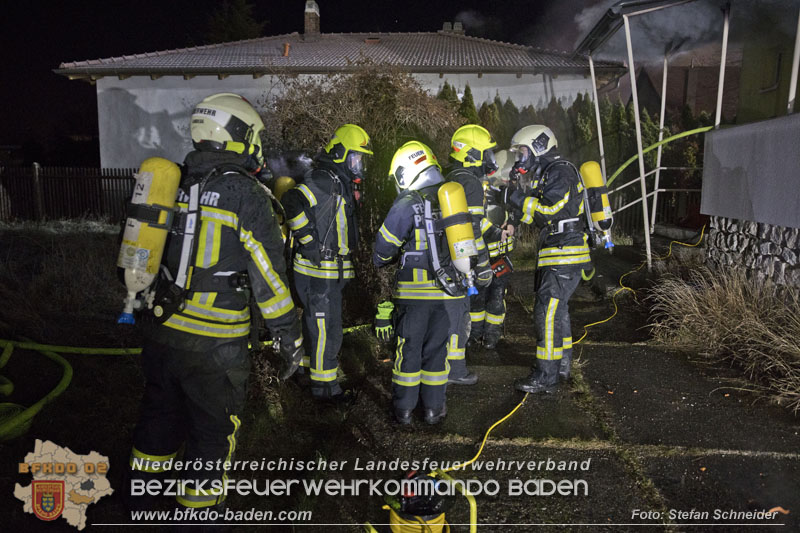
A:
393,108
727,316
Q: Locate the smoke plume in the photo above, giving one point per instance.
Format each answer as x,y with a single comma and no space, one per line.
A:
691,25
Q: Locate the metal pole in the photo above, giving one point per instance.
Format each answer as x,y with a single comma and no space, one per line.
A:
37,192
795,63
597,116
727,15
635,96
660,138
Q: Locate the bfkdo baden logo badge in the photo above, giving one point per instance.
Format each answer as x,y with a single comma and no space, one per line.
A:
48,499
65,484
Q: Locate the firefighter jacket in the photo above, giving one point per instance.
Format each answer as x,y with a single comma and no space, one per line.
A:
237,231
556,207
321,212
403,235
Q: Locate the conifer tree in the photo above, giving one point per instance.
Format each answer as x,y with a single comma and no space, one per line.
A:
467,107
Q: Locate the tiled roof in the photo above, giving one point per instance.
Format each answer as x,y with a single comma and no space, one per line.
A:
440,51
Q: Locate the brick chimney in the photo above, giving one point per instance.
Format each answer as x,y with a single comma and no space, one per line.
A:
311,26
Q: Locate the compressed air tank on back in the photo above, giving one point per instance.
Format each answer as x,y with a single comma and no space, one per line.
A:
597,195
146,228
279,188
460,237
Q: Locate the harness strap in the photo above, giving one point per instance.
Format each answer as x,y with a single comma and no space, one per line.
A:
187,246
448,285
150,214
452,220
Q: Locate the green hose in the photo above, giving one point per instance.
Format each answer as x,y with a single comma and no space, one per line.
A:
65,349
653,147
15,420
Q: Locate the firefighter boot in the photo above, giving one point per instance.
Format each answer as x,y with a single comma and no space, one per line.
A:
402,416
434,416
492,336
543,378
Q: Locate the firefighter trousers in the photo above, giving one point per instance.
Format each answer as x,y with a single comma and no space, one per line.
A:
458,316
193,399
420,366
551,312
487,309
322,330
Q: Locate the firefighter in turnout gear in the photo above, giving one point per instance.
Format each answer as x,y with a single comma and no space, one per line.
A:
321,214
421,297
555,205
471,160
225,245
487,309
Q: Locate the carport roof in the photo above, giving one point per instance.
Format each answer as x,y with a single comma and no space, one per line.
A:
295,53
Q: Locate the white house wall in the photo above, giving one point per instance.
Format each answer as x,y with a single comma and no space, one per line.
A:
140,118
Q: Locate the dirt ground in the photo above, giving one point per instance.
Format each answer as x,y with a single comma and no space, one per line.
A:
649,431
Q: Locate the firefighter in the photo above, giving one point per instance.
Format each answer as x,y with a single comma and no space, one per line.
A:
471,160
195,356
423,324
555,206
321,214
487,309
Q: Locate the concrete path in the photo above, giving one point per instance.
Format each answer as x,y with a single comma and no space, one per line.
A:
662,439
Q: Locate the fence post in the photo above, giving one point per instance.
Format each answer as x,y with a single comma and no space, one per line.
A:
37,191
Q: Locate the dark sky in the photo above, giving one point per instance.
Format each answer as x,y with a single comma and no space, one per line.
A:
38,35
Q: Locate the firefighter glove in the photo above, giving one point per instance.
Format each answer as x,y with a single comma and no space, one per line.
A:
291,350
499,194
384,329
483,275
311,252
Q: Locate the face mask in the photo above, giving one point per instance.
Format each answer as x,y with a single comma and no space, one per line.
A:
489,163
523,156
356,164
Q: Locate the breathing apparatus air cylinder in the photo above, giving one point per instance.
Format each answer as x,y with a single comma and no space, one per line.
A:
460,236
149,218
597,200
279,188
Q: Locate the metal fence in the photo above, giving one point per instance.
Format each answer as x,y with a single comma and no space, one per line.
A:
41,193
675,205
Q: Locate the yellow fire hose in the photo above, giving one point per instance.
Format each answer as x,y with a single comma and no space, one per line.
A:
15,420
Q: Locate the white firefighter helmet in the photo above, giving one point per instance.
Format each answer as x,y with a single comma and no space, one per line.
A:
227,121
531,142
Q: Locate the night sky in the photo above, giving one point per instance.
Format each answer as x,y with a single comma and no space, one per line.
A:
43,109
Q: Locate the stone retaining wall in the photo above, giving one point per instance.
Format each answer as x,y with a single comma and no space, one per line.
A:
767,251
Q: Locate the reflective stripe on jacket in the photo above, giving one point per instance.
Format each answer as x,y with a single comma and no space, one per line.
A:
237,225
403,231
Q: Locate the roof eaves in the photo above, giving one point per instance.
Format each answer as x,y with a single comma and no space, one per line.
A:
161,53
612,20
123,73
